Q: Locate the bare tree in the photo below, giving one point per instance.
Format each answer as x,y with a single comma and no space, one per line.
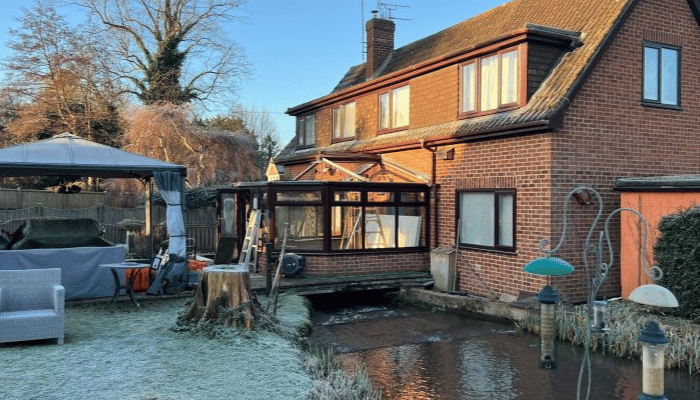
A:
172,50
57,80
262,129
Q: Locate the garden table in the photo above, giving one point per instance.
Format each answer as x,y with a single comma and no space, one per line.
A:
128,285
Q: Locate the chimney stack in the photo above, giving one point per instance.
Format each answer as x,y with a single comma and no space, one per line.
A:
380,43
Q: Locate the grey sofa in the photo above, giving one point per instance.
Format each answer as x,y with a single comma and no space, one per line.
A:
31,305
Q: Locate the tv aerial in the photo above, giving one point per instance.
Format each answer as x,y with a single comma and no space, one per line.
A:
386,10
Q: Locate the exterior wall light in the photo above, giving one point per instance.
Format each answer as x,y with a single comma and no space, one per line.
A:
652,338
548,298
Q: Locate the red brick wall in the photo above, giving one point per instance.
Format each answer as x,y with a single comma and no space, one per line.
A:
359,264
520,163
608,134
380,43
419,160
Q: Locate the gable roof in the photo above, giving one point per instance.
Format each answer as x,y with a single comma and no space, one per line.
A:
69,155
594,20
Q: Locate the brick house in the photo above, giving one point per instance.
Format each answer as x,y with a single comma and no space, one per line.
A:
500,116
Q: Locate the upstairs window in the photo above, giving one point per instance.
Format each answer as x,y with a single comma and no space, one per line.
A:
306,130
491,82
394,108
344,121
661,75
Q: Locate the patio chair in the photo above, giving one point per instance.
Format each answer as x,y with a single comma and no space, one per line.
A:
31,305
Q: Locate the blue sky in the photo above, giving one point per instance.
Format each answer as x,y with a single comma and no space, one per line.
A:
299,50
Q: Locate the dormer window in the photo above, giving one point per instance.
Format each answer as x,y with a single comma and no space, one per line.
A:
394,107
306,130
344,121
491,83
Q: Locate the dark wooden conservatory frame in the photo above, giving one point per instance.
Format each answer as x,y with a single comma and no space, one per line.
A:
266,194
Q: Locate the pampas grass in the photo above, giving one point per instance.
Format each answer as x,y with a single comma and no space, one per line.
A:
332,382
625,321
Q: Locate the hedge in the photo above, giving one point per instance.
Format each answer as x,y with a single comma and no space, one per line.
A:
677,253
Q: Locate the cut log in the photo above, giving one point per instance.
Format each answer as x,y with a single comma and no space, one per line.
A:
223,289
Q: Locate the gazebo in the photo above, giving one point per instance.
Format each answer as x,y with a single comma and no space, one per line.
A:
67,155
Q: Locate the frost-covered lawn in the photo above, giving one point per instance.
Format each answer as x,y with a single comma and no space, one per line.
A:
128,353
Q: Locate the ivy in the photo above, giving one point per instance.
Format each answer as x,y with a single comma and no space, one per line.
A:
196,197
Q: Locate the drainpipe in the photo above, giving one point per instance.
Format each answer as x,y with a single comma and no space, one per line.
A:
433,179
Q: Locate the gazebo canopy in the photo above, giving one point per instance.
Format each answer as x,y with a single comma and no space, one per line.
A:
69,155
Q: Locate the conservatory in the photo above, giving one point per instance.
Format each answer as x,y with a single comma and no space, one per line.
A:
340,227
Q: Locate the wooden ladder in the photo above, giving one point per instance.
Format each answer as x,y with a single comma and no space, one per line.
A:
249,250
370,217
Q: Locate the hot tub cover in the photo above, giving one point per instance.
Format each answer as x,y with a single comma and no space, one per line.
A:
58,233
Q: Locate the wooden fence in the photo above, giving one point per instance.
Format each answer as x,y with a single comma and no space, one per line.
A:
24,198
201,224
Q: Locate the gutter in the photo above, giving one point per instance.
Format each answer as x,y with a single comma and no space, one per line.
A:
444,140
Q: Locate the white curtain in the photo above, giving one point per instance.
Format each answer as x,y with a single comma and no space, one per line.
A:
349,120
477,217
489,83
170,185
509,77
469,87
384,111
400,100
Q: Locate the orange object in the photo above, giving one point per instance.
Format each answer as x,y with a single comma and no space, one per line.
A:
141,280
654,206
197,265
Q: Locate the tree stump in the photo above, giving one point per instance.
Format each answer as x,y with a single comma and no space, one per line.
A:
223,288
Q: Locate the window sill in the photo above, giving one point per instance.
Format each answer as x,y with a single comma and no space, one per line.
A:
385,131
659,105
304,147
489,250
360,252
345,139
472,114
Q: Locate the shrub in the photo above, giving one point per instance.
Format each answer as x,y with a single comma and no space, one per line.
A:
677,253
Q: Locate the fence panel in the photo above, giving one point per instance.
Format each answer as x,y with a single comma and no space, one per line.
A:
24,198
201,223
204,237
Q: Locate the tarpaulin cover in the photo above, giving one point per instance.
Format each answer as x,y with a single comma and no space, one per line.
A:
81,274
58,233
